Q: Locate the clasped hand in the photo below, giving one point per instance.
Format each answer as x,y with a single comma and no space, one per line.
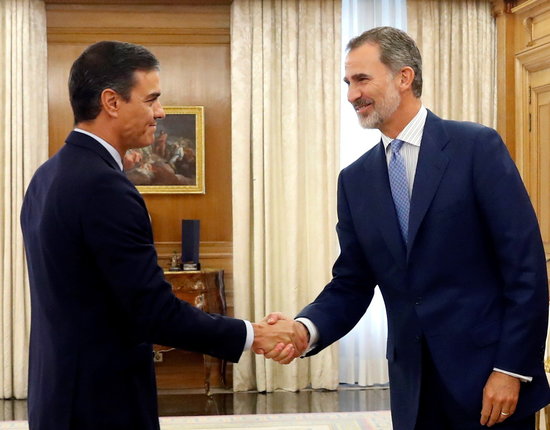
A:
279,338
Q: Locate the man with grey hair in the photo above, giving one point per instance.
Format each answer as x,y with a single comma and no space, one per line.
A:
436,215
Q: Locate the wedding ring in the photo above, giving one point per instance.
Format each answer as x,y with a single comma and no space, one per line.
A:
505,413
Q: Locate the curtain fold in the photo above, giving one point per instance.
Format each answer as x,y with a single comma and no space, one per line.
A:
23,146
285,72
363,350
457,40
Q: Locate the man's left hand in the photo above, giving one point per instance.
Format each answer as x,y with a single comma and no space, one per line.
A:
500,397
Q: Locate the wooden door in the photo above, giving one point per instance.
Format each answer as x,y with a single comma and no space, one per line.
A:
533,131
539,144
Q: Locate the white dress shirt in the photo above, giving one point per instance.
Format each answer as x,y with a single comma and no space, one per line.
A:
114,153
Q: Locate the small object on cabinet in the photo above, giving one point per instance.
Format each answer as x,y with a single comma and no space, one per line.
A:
190,241
175,265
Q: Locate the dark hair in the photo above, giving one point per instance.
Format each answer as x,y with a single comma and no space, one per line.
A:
103,65
397,50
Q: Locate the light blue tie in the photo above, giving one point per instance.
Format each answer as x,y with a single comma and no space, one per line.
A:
399,186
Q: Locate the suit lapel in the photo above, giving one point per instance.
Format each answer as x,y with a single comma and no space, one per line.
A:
432,162
382,203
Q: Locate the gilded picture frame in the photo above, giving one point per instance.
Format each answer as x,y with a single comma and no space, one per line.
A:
174,163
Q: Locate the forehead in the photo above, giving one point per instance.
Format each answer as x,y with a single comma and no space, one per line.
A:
146,81
364,59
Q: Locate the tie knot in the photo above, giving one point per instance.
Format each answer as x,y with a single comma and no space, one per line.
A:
395,145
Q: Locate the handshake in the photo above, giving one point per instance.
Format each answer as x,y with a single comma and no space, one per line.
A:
280,338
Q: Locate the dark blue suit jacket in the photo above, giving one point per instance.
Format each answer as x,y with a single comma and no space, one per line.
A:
472,281
99,299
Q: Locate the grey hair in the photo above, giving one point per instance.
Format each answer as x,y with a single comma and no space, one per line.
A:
397,50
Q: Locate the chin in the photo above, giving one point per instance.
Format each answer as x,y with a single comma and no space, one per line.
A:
369,122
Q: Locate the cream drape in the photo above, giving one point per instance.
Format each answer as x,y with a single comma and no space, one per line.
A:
285,73
363,350
24,145
457,40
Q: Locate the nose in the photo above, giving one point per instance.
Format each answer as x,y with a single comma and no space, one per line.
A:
159,111
353,93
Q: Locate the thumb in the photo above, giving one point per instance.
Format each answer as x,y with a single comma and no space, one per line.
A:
273,317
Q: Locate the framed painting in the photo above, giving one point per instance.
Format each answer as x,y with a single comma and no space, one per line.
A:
174,163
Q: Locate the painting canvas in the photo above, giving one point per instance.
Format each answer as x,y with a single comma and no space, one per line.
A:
174,163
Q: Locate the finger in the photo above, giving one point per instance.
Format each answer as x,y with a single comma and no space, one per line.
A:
508,409
485,412
286,356
288,360
495,415
504,414
273,317
275,351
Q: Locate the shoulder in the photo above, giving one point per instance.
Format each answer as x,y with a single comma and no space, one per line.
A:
459,130
79,178
368,158
77,165
467,128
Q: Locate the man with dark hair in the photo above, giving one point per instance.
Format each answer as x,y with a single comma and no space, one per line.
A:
438,217
99,299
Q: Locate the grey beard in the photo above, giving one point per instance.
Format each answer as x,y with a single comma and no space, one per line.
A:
372,121
386,109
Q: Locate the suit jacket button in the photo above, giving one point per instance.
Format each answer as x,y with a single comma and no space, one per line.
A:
418,300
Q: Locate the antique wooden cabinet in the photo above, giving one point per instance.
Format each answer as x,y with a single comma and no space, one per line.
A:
205,290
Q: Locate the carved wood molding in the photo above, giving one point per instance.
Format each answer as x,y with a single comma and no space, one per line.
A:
534,15
210,249
501,7
533,59
530,5
149,36
140,2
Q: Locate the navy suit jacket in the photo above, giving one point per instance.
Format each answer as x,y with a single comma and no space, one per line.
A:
99,299
472,281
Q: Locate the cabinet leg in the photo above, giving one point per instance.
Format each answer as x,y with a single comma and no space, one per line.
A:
207,360
223,367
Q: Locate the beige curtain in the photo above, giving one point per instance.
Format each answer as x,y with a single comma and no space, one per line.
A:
23,146
457,40
285,75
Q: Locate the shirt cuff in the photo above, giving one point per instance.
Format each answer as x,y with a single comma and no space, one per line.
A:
515,375
313,333
249,335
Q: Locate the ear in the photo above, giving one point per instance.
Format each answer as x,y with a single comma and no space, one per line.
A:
406,77
110,102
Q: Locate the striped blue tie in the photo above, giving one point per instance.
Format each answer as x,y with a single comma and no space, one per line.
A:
399,186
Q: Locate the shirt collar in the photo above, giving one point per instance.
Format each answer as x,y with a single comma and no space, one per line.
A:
412,133
114,153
